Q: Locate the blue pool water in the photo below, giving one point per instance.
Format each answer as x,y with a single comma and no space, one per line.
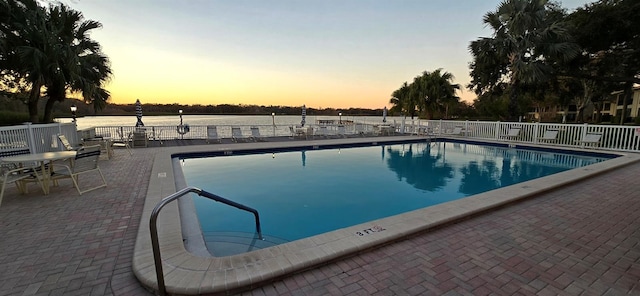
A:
303,193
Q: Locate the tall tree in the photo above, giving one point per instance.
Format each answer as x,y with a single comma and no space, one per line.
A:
529,37
50,48
82,67
439,92
402,101
429,92
608,32
22,69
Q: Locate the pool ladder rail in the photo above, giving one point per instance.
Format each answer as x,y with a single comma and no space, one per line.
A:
153,227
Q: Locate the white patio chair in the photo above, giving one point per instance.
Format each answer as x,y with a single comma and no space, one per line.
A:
12,173
236,134
65,143
123,143
513,133
342,131
86,161
212,134
105,145
591,139
255,134
322,131
457,131
549,135
309,133
140,138
361,130
298,132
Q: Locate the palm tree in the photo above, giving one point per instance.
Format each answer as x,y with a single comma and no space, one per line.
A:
428,93
50,47
529,36
439,92
82,67
20,27
401,101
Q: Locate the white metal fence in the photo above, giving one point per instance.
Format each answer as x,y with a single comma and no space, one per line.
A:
43,137
614,137
36,137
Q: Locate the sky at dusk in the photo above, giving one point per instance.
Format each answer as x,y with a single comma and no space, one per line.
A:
329,53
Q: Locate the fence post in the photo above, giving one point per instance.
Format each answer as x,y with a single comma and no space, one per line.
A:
31,138
583,133
497,133
536,128
466,128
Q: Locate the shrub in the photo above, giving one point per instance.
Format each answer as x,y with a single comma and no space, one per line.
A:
13,118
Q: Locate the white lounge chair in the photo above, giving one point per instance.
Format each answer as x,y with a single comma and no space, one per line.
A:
322,132
86,161
342,131
65,143
425,131
513,133
591,139
236,134
140,138
549,135
299,132
105,145
457,131
212,134
361,130
255,134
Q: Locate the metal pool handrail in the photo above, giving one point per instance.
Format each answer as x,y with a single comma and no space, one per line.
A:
154,228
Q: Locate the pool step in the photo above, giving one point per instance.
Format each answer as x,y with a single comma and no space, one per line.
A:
222,244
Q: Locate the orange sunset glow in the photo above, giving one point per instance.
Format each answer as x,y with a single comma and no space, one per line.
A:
337,54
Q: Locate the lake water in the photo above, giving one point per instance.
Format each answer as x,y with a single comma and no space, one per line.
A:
246,120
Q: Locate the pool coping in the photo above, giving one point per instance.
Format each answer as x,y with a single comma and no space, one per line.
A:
189,274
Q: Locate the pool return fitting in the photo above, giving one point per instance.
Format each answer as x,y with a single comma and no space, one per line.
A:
157,259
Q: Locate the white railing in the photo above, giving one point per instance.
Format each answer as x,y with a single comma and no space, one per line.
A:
36,137
614,137
43,137
199,132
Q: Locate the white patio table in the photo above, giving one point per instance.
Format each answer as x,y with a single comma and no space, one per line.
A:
43,159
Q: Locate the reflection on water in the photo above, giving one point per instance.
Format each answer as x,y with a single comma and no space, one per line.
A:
431,166
303,193
416,165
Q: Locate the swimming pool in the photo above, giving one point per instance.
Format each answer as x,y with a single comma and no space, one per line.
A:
189,272
307,192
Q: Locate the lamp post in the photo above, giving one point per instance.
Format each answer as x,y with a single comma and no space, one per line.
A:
273,122
73,113
180,127
340,121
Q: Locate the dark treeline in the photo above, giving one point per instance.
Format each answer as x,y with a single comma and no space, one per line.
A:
228,109
15,111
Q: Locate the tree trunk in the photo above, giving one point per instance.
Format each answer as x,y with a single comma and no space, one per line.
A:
580,114
513,103
48,111
34,97
599,107
628,96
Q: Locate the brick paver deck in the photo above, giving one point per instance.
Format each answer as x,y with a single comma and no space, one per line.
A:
583,239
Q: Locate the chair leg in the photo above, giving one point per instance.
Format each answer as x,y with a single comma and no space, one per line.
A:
21,186
76,177
4,184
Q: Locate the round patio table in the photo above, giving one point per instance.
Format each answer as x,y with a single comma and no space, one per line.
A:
42,159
